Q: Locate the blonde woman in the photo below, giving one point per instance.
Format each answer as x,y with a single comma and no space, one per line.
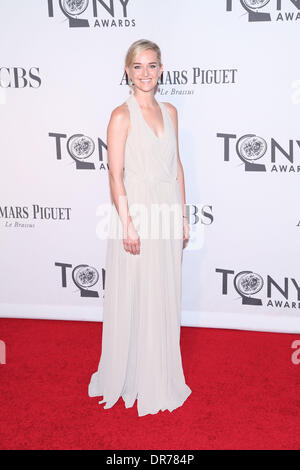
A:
141,357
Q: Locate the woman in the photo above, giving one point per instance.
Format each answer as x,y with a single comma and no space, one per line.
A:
141,356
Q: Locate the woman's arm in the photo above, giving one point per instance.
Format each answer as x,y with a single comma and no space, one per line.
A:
116,139
117,131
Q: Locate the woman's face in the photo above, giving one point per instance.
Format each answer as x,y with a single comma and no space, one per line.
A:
145,70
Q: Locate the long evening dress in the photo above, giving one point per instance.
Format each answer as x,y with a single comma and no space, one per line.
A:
141,356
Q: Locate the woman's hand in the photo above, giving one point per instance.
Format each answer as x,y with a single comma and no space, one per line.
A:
186,230
131,240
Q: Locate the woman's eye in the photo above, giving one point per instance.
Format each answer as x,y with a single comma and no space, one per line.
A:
153,66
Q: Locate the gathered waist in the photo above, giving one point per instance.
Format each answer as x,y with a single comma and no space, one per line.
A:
149,179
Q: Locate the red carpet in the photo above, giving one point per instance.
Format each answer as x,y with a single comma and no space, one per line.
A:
245,392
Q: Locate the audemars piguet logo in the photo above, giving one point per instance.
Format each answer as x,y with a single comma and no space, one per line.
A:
253,289
14,216
185,82
257,155
266,10
92,13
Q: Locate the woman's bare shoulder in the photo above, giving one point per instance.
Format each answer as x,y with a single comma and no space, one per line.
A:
120,112
119,118
171,109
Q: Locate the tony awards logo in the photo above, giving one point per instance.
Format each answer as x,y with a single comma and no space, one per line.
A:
106,13
72,9
267,10
279,293
253,7
81,147
85,277
248,283
250,148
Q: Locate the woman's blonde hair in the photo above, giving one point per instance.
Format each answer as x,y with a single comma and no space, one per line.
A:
139,46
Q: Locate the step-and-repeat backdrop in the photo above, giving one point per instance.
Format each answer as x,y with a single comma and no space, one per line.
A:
232,70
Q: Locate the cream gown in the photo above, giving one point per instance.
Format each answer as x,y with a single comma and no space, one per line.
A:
141,356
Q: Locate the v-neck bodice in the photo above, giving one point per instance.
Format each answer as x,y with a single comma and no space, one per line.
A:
148,156
161,105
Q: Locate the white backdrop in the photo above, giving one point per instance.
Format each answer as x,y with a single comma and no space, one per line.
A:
233,73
